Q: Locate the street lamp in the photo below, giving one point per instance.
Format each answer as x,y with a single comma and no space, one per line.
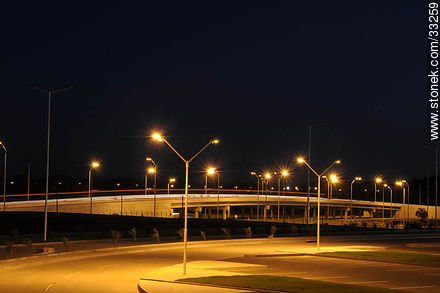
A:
402,215
172,180
391,199
333,179
209,171
93,165
212,171
267,177
258,191
49,94
302,161
152,171
376,181
160,138
351,195
4,177
407,199
284,174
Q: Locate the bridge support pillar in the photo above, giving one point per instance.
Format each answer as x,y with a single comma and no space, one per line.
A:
197,212
226,212
265,212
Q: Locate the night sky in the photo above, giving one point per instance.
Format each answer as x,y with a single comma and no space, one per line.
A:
241,71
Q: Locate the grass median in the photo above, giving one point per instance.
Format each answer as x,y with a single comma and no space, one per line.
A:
395,256
285,284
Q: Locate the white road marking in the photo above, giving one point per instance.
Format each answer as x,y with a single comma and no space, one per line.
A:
368,282
71,275
405,270
413,287
46,289
332,277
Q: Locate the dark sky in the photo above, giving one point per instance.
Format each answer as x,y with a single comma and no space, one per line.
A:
242,71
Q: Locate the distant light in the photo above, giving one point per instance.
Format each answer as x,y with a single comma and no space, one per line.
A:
157,137
284,173
172,179
94,164
253,173
211,171
316,188
59,183
79,183
215,141
236,187
358,178
118,184
288,187
148,159
137,185
378,180
300,160
337,161
267,175
296,188
151,170
12,182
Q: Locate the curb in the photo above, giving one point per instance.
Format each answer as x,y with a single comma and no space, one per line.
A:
373,260
207,285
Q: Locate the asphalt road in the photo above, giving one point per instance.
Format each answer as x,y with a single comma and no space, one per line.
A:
118,270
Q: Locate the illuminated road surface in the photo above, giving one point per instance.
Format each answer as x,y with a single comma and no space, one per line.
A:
119,270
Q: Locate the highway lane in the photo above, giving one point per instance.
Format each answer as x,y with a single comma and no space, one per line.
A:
118,270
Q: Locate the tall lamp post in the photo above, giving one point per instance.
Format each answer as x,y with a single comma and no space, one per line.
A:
209,172
160,138
267,177
377,180
153,171
93,165
391,199
172,180
407,200
258,192
351,195
49,94
302,161
402,214
333,179
284,174
4,177
218,193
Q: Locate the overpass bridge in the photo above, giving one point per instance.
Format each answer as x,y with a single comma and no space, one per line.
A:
229,205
